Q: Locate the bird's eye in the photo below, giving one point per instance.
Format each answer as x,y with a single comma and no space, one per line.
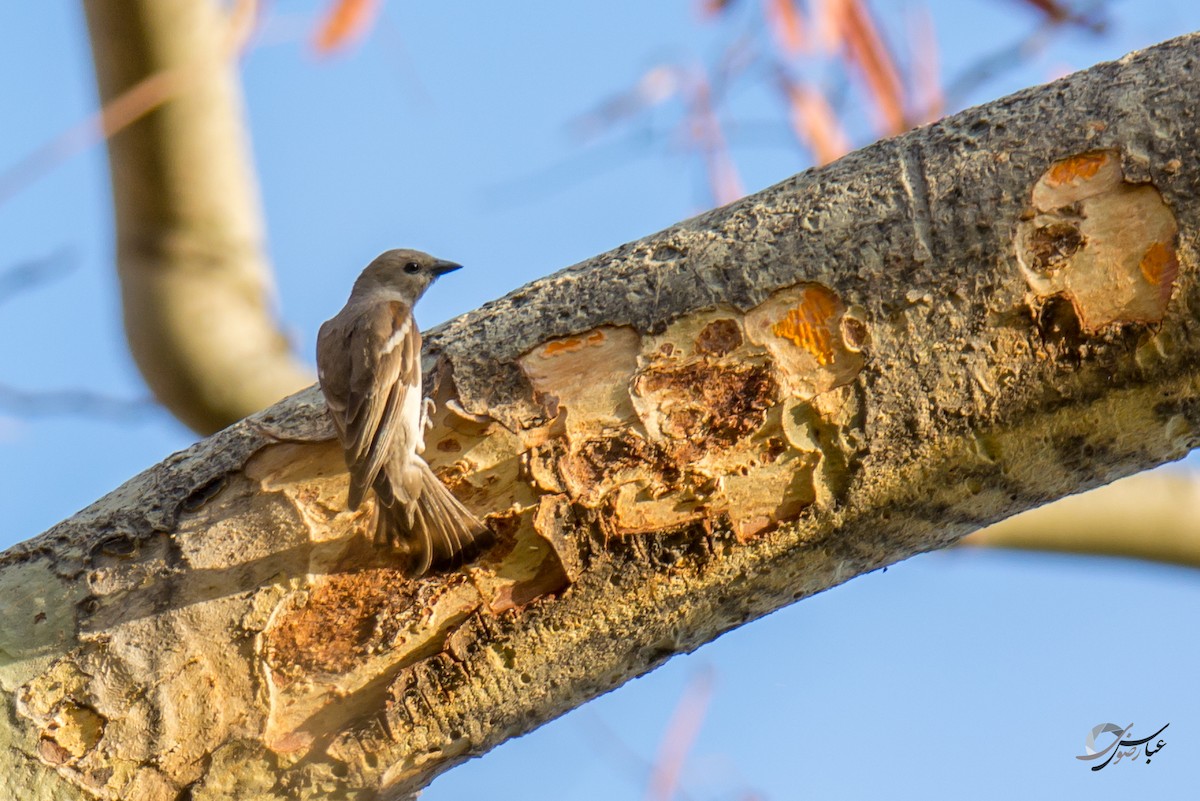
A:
412,267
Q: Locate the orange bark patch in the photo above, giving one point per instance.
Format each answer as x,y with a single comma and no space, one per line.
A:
1159,264
815,341
809,325
1077,168
344,617
562,346
571,344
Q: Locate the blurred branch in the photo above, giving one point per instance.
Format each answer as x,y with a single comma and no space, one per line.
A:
866,48
344,23
680,735
927,96
847,39
725,185
814,122
1153,516
1089,17
121,111
75,403
635,763
33,273
195,284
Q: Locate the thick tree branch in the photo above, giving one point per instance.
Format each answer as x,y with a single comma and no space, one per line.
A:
195,286
861,363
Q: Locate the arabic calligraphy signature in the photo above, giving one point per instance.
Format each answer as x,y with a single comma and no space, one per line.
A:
1118,742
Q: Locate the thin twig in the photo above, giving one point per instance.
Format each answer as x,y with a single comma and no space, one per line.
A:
634,763
32,273
679,737
75,403
123,110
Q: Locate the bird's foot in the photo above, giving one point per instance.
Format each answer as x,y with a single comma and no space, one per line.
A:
428,409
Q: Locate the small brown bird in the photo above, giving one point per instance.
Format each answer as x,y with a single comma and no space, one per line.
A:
369,366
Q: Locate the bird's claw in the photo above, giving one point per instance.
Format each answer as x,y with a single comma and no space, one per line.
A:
428,407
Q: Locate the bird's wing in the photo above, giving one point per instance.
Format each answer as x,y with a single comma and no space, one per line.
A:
379,366
333,374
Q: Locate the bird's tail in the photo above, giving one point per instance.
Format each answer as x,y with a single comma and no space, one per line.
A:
432,529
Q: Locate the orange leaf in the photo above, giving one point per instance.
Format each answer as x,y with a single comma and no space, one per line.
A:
346,21
783,16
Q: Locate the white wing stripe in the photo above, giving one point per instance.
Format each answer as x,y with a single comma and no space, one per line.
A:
397,336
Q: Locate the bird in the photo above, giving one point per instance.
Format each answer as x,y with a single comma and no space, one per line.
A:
369,370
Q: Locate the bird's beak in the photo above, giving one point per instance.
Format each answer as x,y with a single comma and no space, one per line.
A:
442,267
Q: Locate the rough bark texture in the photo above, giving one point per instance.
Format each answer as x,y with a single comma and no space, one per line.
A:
861,363
195,287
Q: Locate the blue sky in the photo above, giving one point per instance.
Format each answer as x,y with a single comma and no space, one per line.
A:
446,130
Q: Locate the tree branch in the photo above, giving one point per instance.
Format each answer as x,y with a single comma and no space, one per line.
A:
861,363
1151,516
195,285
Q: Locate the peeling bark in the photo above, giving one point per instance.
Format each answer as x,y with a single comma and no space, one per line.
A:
858,364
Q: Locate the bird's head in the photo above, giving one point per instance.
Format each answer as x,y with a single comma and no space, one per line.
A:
406,272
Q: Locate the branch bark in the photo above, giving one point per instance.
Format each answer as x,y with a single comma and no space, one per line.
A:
861,363
195,285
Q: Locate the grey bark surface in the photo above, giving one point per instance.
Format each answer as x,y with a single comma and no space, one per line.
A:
861,363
